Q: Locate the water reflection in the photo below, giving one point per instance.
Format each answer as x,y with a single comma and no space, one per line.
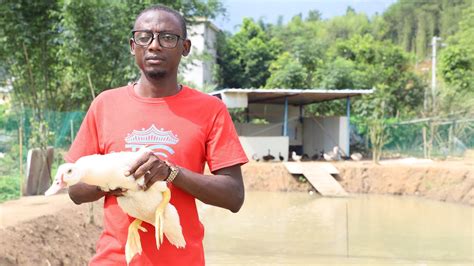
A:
296,228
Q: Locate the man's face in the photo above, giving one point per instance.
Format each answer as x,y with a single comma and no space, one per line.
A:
153,60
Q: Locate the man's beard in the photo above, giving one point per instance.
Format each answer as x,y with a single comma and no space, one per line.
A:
155,74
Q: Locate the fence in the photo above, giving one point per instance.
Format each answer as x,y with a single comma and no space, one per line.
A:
426,138
18,131
420,138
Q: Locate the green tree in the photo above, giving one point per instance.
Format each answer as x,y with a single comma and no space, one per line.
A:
245,58
58,54
412,23
305,41
287,73
344,27
29,43
363,63
457,68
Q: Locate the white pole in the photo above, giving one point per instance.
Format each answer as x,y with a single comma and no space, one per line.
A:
433,70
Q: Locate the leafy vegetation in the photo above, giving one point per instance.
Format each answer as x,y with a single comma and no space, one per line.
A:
58,54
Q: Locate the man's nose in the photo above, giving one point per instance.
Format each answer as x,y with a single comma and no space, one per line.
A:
155,44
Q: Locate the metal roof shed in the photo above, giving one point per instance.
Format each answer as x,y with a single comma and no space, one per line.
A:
241,98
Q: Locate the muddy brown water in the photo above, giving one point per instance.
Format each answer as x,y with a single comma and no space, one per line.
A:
275,228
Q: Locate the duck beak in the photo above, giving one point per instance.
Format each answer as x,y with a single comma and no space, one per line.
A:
57,185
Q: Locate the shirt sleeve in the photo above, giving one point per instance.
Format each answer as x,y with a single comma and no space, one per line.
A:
223,148
87,139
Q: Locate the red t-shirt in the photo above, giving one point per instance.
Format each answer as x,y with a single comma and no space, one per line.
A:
187,129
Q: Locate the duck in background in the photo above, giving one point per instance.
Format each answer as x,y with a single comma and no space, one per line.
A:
357,156
295,157
268,157
281,157
255,157
332,155
305,157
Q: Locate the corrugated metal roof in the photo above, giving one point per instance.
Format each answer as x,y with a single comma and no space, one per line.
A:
295,96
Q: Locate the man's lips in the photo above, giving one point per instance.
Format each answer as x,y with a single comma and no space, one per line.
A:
154,59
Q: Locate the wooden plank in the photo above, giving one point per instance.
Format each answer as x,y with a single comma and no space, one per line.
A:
294,168
319,176
323,181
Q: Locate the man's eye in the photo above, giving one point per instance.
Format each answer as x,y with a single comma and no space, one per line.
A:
143,38
168,37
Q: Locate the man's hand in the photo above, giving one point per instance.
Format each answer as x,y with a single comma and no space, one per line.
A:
116,192
151,167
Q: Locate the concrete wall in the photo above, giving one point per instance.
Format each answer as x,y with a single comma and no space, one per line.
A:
256,147
323,133
295,131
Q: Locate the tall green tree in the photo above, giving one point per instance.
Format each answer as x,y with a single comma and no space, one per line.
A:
457,68
412,23
365,63
29,44
245,57
287,73
61,53
58,54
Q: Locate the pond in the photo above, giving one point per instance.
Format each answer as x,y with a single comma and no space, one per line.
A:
298,228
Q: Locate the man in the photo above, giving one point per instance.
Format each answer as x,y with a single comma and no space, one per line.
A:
185,127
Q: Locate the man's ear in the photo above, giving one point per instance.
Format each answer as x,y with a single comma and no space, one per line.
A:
186,47
132,46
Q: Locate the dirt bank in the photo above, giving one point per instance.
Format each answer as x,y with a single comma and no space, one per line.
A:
445,181
54,231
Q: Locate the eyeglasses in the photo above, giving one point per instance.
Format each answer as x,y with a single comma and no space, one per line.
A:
165,39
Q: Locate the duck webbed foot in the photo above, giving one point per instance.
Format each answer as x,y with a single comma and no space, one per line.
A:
133,245
159,217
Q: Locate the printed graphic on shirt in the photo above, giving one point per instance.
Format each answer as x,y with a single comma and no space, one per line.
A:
155,139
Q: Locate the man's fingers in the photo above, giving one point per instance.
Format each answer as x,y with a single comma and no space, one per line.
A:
143,169
117,192
151,178
137,165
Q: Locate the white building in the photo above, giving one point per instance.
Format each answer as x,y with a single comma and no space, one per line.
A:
202,59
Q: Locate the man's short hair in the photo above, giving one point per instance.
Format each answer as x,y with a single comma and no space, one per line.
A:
169,10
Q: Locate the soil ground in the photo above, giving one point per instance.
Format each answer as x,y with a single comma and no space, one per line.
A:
53,231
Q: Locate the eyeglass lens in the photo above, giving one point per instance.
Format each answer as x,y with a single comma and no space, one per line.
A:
166,40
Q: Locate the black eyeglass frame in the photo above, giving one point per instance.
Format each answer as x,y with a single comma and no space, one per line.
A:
157,37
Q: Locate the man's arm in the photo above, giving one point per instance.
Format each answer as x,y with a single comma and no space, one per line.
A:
82,193
223,189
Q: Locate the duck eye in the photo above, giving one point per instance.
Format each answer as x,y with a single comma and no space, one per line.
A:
69,171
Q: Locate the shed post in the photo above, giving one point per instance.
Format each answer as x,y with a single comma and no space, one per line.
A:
285,119
348,114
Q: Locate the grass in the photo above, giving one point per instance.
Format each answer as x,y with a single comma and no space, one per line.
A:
10,187
10,178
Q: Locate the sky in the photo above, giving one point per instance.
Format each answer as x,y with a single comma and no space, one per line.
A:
269,10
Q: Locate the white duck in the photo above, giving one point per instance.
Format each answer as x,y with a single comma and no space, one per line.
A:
107,172
295,157
332,155
356,156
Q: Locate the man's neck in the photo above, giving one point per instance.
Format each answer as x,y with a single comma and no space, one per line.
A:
156,88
